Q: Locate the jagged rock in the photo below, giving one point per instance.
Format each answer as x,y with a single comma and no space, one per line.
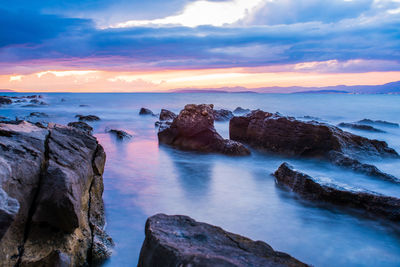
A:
38,115
4,100
83,126
362,127
87,118
193,129
309,188
145,111
181,241
8,211
223,115
167,115
120,134
240,110
378,122
55,174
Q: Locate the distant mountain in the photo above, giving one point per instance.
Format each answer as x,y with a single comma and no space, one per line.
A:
388,88
6,90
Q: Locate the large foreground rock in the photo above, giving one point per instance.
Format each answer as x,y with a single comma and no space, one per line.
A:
194,130
52,178
181,241
310,188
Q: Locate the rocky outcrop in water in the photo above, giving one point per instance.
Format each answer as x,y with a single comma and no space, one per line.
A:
4,100
240,110
87,117
181,241
146,111
361,127
193,129
51,192
378,122
38,115
119,134
223,115
83,126
167,115
309,188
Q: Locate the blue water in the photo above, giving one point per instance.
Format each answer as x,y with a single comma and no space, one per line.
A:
239,194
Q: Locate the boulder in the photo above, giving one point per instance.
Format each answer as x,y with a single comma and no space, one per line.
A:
223,115
4,100
83,126
54,174
38,115
120,134
145,111
378,122
87,118
311,189
167,115
181,241
361,127
193,129
240,110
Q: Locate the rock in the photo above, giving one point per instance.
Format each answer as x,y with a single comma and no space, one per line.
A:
378,122
4,100
167,115
162,124
240,110
193,129
343,160
309,188
87,118
181,241
55,175
63,100
83,126
145,111
34,101
8,211
38,115
288,136
362,127
120,134
223,115
83,106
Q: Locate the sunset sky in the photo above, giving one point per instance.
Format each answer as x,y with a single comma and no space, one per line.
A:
132,45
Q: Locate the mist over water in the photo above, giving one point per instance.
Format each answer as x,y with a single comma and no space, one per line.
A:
237,193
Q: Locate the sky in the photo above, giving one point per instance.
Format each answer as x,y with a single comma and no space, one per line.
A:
158,45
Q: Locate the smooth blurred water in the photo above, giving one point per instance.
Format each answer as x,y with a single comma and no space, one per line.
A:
239,194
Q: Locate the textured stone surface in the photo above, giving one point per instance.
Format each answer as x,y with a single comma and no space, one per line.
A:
55,175
181,241
193,129
166,115
310,188
222,115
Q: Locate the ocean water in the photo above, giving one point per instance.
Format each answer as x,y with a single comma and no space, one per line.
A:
143,178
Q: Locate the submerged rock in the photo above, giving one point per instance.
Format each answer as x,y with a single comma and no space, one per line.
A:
120,134
38,115
145,111
240,110
362,127
4,100
87,118
181,241
309,188
223,115
378,122
193,129
83,126
167,115
55,175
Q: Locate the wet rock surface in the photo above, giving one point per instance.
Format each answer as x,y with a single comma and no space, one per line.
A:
146,111
361,127
240,110
38,115
379,123
181,241
54,174
193,129
223,115
120,134
4,100
166,115
83,126
309,188
87,117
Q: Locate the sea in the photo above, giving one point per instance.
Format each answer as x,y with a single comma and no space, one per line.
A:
239,194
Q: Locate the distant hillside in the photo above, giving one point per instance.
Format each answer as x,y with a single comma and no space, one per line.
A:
388,88
6,90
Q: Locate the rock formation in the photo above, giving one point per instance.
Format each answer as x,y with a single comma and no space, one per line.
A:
309,188
240,110
223,115
120,134
361,127
83,126
193,129
87,118
379,122
167,115
181,241
51,180
145,111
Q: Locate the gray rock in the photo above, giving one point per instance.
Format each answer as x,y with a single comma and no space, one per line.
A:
120,134
223,115
240,110
167,115
361,127
87,117
55,174
181,241
82,126
145,111
378,122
